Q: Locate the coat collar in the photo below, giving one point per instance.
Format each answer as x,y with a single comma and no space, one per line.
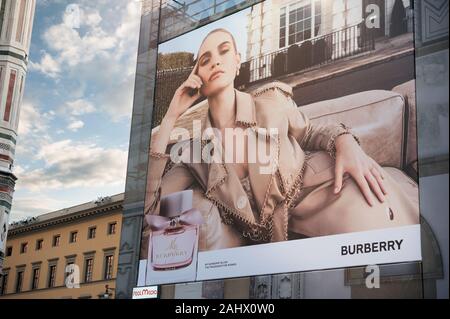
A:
221,177
245,109
245,114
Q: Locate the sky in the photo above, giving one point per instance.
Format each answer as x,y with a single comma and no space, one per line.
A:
75,116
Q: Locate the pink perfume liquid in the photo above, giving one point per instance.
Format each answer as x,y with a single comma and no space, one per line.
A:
173,248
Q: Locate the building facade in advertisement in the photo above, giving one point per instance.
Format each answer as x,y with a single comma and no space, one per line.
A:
16,24
278,140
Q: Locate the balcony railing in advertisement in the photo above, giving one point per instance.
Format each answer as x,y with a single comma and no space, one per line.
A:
301,56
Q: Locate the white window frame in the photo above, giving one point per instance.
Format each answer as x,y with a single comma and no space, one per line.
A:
288,10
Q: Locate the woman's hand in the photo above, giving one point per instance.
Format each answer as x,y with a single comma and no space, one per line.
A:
350,158
182,99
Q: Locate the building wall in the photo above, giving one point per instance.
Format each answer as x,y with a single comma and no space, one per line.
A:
261,28
97,247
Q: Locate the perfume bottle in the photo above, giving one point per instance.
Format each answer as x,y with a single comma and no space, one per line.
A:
174,237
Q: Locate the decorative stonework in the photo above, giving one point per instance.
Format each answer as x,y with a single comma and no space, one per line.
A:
65,219
261,287
432,20
282,286
128,255
213,289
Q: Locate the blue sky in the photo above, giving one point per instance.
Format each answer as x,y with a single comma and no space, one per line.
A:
75,118
190,42
76,113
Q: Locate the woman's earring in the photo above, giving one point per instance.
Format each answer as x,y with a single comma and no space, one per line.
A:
237,73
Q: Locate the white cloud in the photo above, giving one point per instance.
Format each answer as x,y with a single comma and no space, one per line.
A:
33,129
19,170
118,104
99,58
79,107
103,50
72,48
70,164
31,119
48,66
75,125
29,206
92,19
75,109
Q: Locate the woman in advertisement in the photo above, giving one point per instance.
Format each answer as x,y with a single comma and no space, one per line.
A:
319,181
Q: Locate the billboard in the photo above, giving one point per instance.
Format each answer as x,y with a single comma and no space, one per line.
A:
283,140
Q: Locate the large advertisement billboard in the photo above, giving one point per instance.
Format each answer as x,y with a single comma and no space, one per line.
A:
284,140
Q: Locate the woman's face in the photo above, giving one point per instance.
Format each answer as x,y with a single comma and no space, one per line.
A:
217,63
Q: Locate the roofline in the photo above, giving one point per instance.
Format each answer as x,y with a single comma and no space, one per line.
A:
69,217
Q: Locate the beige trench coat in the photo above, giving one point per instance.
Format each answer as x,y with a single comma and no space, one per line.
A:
296,196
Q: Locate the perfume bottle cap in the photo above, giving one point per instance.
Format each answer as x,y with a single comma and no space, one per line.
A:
175,204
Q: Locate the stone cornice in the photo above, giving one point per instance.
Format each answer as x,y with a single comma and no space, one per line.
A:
40,225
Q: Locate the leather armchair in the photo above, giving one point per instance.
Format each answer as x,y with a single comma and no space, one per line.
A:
385,122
